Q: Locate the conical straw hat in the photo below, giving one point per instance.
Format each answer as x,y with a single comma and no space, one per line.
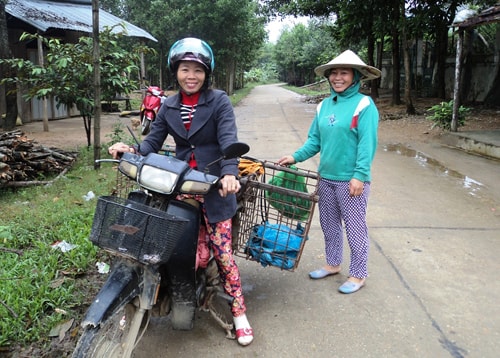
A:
350,60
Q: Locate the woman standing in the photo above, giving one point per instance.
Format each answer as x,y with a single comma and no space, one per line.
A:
344,132
202,123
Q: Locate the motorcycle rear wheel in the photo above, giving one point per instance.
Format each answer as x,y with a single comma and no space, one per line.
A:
110,338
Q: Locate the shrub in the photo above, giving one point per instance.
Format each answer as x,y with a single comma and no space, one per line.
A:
442,115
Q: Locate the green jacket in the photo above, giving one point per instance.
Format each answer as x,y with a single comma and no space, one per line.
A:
344,132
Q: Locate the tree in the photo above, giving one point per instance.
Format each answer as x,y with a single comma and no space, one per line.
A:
357,23
289,54
234,29
9,90
361,23
300,49
410,109
68,72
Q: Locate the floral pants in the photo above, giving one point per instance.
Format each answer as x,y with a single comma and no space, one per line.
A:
221,244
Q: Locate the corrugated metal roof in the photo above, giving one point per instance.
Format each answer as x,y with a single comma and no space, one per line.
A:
75,16
490,15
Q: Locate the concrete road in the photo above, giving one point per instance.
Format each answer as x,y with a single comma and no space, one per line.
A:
435,247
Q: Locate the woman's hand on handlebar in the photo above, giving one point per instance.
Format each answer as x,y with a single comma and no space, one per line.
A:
117,149
229,184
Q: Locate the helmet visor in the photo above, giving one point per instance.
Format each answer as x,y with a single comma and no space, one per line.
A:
191,49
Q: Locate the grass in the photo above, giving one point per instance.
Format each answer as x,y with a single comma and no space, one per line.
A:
318,88
41,286
38,282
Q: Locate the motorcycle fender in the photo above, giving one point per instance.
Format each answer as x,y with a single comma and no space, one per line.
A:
138,196
121,286
181,271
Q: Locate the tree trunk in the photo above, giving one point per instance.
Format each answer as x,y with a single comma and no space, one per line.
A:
380,49
441,54
467,66
396,96
10,89
410,110
371,53
87,122
230,73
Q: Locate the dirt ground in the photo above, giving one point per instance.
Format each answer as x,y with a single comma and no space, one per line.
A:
394,127
397,127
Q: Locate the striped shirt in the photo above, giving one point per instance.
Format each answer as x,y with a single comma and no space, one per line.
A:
188,108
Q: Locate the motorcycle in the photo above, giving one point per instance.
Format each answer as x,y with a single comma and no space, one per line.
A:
153,235
150,106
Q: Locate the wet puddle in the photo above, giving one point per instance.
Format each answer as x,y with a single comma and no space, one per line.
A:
471,185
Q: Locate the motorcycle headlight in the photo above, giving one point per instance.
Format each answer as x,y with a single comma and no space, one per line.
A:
128,168
196,182
158,179
195,187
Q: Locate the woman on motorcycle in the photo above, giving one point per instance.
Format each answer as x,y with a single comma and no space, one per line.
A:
202,123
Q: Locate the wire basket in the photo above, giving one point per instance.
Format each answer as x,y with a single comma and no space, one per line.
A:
274,217
135,230
123,185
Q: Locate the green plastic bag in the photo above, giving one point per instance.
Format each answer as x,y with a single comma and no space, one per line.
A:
289,205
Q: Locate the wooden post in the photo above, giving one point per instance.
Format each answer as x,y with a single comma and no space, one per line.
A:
44,100
456,90
97,83
143,76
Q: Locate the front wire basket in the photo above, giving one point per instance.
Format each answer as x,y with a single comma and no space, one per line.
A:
123,185
134,230
273,221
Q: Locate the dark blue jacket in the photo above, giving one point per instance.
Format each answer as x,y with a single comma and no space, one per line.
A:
213,128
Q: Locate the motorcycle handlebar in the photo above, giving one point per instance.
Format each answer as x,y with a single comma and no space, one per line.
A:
107,161
243,181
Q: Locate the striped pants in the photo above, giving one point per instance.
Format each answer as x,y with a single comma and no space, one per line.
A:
337,207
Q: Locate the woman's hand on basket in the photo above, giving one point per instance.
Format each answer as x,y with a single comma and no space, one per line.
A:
229,185
287,159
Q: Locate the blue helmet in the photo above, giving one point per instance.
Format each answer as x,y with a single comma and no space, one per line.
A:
191,49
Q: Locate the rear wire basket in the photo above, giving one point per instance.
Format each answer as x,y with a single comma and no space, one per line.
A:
134,230
273,222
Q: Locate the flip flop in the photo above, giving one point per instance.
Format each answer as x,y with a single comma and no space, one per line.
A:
321,273
350,287
244,336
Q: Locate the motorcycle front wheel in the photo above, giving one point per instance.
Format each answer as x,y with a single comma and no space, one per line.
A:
145,124
115,337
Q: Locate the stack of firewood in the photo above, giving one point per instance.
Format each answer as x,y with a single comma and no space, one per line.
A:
23,162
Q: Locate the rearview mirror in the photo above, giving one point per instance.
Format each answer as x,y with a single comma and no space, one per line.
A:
235,150
231,151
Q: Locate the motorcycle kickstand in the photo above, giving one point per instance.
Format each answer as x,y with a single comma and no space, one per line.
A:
218,317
